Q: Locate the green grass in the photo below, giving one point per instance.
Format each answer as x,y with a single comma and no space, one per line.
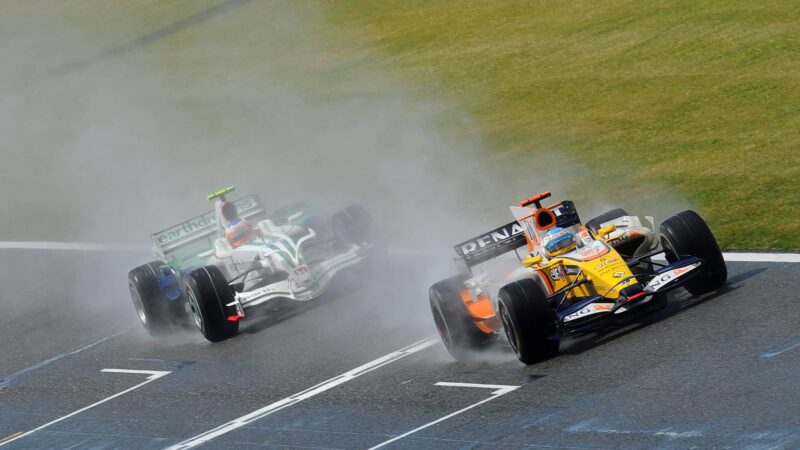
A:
700,98
692,99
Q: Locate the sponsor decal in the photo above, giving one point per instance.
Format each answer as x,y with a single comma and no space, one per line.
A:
238,266
302,278
589,252
555,273
619,274
624,237
667,277
590,309
200,223
573,270
605,263
499,235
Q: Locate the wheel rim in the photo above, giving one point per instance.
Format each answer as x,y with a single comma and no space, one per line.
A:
138,305
508,328
669,252
193,305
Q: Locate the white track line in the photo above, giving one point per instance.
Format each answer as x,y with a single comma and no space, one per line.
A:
272,408
154,375
763,257
11,378
394,251
80,246
500,390
786,347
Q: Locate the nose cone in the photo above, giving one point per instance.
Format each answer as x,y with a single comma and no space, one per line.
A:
610,275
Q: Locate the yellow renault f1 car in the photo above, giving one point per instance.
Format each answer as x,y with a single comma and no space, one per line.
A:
573,278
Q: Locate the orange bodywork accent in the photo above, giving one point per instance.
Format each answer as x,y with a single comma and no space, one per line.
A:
539,212
534,199
481,310
547,282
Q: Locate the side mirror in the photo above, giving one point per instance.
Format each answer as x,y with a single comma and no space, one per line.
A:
531,261
606,230
222,248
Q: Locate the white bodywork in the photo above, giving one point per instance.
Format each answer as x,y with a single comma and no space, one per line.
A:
286,261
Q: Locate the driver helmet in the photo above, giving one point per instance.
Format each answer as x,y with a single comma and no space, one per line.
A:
229,213
558,241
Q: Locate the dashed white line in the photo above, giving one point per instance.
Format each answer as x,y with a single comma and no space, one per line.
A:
11,378
153,375
272,408
499,391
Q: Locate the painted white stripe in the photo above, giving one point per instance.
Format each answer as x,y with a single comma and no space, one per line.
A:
794,343
154,375
272,408
11,378
500,389
499,392
80,246
763,257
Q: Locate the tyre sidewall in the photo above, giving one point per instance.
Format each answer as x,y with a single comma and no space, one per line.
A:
454,323
686,233
159,312
208,292
524,307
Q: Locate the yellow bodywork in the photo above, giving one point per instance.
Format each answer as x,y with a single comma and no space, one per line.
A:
606,274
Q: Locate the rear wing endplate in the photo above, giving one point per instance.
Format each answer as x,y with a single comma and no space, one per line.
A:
201,227
490,245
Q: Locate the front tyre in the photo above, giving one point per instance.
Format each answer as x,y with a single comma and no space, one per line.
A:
453,322
529,322
157,312
208,293
686,234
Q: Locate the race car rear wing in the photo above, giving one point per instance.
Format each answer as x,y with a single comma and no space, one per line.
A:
202,227
490,245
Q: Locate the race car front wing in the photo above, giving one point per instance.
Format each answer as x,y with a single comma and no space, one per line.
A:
306,283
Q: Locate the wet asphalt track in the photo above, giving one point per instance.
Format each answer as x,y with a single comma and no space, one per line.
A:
722,371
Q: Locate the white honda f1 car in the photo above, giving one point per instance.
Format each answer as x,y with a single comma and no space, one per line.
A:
213,267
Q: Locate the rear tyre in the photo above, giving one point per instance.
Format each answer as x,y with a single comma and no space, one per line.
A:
529,322
453,322
594,225
208,293
156,311
686,234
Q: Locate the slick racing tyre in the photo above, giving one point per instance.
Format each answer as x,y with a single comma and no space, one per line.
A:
353,225
529,322
595,224
208,293
453,322
686,234
157,310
